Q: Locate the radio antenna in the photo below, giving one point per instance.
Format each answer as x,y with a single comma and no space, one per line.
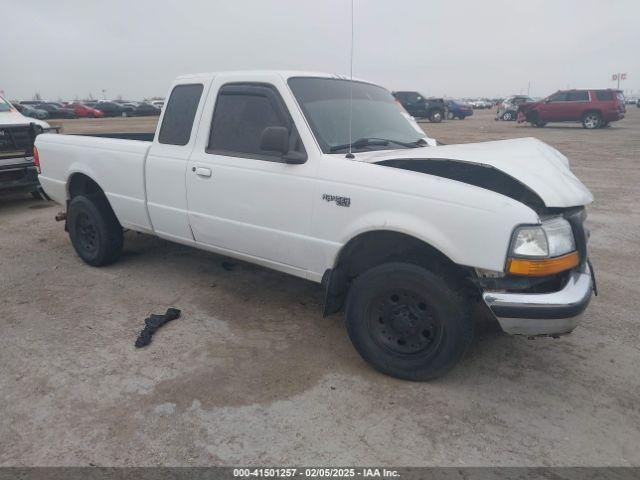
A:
350,154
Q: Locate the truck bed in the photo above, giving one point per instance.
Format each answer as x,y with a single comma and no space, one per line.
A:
118,163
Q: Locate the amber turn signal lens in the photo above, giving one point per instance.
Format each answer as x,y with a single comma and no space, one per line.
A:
542,268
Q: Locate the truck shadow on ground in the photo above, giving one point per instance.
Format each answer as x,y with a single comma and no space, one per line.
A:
262,335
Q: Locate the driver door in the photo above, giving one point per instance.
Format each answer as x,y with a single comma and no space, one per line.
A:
243,200
554,110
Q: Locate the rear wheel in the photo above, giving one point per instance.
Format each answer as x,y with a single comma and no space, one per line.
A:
450,116
94,230
508,116
591,120
407,321
436,116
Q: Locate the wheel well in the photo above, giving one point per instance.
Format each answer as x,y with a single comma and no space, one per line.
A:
591,110
81,184
370,249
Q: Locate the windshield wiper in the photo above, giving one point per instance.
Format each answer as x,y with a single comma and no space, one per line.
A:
372,141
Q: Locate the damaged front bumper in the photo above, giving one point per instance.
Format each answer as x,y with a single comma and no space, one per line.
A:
553,313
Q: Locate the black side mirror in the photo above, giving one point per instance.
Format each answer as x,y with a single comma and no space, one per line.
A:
276,139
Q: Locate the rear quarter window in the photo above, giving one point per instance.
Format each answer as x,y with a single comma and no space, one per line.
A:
180,112
604,95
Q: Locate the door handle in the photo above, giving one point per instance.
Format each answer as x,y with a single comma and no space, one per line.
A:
202,171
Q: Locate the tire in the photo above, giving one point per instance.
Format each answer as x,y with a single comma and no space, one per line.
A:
450,116
436,116
507,116
591,120
96,234
407,321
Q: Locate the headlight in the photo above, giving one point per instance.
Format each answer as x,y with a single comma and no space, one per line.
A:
551,239
542,250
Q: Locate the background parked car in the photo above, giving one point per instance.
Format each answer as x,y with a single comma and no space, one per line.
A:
593,108
457,109
508,109
145,110
420,107
158,104
113,109
481,104
29,111
638,103
56,111
82,110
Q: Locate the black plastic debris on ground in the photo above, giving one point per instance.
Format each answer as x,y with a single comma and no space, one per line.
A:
153,323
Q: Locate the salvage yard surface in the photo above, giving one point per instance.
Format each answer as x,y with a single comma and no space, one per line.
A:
252,374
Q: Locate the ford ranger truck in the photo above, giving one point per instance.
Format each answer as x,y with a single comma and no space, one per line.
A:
404,236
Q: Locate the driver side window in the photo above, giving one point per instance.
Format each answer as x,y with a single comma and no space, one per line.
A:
558,97
241,115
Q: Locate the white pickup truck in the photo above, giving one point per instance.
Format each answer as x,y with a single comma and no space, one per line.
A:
329,180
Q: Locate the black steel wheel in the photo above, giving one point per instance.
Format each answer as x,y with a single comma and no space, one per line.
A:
407,321
403,322
94,230
86,233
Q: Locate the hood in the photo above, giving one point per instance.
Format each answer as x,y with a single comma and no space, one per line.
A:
525,162
16,118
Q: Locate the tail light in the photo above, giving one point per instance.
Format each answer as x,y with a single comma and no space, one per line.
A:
36,159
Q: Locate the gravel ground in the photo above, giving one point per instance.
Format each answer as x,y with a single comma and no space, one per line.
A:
252,373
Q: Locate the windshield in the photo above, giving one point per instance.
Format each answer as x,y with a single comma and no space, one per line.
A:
4,105
325,104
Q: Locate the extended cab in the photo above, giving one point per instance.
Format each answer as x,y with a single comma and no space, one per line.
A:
404,236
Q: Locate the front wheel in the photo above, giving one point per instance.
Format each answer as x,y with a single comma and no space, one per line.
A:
94,230
407,321
450,116
508,116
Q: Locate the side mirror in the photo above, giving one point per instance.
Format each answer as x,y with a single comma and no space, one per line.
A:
276,139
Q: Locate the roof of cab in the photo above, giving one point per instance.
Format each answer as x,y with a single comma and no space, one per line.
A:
286,74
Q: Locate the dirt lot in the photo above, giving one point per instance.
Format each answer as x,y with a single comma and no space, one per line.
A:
252,373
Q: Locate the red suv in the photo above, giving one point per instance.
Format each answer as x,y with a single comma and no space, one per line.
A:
593,108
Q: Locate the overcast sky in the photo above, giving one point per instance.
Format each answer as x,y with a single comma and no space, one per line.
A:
134,48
